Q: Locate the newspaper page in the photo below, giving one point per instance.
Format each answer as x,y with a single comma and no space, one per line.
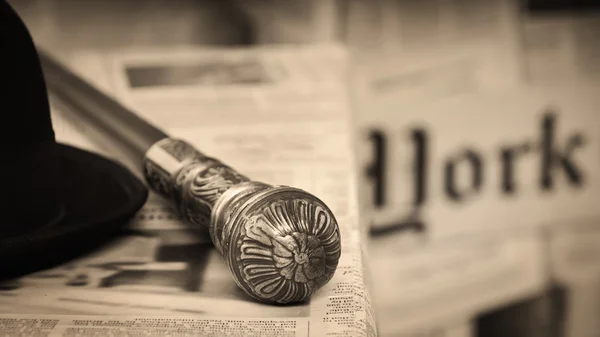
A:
405,26
395,90
460,189
163,277
410,25
483,126
564,206
574,257
433,60
561,48
371,27
295,21
450,328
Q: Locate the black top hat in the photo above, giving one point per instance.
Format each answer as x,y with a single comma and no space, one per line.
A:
56,200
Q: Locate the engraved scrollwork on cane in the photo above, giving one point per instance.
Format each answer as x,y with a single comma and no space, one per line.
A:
157,178
203,189
209,184
180,149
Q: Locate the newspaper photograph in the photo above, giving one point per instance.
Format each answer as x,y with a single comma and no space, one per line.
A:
218,86
163,276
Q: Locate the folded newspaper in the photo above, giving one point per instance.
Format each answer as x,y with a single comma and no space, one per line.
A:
280,115
447,182
482,202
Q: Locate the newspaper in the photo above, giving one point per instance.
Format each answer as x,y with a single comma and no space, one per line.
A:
420,55
163,277
460,97
569,305
449,328
294,22
468,239
561,48
405,26
401,243
369,28
574,254
396,97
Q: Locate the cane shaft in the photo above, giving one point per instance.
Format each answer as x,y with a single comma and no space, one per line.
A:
116,120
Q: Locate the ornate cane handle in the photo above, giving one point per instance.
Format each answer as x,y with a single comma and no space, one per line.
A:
280,243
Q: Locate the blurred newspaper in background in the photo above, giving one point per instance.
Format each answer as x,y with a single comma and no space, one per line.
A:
561,49
279,115
441,128
473,241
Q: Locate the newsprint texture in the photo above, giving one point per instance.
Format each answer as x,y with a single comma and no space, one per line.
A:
279,115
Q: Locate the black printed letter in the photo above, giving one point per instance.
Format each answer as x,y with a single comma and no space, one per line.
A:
477,174
419,137
377,170
508,156
552,158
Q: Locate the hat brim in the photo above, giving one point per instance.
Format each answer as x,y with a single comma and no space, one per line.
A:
100,198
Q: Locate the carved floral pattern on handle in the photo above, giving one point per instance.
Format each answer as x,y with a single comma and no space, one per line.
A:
209,184
287,249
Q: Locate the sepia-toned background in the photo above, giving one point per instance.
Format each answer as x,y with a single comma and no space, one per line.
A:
440,90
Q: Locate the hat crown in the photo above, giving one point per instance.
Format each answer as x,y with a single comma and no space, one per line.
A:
30,170
24,88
